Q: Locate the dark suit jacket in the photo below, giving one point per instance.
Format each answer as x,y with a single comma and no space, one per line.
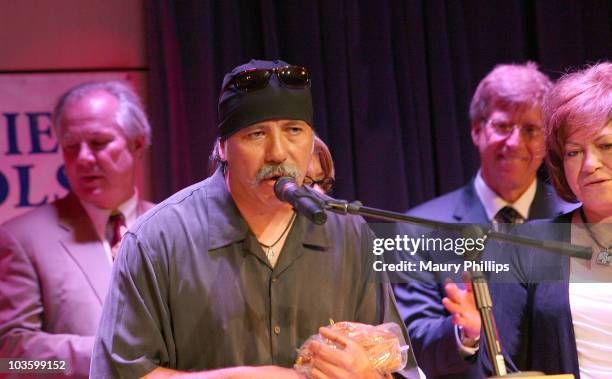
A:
420,303
54,275
533,316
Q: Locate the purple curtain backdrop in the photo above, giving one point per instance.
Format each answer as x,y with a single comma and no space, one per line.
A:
392,80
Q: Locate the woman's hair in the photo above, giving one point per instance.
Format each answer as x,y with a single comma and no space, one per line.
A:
327,163
579,100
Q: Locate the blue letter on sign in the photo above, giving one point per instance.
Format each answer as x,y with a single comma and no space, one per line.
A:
61,177
4,188
24,187
11,131
35,132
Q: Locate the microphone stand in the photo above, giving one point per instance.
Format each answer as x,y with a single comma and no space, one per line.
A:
479,283
345,207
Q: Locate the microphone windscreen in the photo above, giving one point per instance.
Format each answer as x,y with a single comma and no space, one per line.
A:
281,184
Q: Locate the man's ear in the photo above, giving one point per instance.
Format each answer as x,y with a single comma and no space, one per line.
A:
475,132
222,153
137,146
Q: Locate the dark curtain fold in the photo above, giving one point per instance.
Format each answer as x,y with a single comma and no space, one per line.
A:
392,80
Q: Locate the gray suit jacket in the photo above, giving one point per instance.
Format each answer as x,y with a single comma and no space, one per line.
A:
429,324
54,275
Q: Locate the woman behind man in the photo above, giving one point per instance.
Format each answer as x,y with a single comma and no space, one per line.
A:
321,173
557,318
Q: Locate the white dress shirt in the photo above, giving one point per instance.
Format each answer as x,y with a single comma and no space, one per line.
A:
590,298
492,202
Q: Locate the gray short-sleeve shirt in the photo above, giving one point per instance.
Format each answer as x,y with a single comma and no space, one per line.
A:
192,289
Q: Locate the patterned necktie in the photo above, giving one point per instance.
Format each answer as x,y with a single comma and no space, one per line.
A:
506,217
115,230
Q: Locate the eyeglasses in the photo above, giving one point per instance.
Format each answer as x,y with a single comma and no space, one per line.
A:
256,79
326,184
505,129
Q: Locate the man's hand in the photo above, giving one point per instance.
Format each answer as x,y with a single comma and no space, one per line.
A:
462,305
349,362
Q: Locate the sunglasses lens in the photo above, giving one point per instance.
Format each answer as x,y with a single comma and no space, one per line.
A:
252,80
294,76
291,76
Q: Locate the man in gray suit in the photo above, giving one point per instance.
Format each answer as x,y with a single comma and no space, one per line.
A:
55,261
507,129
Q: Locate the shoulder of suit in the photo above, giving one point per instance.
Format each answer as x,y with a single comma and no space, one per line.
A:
45,214
441,205
559,205
563,218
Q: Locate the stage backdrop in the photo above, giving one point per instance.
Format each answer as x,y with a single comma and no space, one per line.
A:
392,79
31,167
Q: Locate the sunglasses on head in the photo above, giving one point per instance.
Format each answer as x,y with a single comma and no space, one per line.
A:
258,78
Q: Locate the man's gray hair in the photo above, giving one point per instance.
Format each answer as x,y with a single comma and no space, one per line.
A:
131,116
215,162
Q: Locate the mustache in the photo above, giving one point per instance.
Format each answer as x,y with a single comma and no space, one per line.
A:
268,171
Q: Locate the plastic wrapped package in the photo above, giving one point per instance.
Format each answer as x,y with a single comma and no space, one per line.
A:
384,345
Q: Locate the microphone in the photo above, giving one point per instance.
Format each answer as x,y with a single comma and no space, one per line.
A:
304,200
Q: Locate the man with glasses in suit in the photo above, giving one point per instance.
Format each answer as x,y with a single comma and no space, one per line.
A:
507,129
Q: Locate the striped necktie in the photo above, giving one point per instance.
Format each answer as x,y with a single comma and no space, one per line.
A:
506,217
115,230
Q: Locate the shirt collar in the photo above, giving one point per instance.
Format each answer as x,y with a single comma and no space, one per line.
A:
492,202
99,216
226,225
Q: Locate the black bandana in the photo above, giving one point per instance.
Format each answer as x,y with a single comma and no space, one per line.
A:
238,109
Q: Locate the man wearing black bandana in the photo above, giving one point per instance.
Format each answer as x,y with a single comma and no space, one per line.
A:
224,280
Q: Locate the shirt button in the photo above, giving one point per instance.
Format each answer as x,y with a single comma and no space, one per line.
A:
277,329
274,280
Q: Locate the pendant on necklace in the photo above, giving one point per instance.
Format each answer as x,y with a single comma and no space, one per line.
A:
604,257
270,253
